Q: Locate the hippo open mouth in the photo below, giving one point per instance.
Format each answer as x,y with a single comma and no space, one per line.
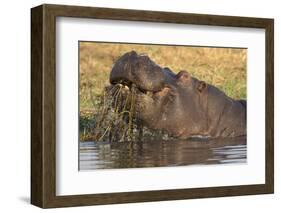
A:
177,103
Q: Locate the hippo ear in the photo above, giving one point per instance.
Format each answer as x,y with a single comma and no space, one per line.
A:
183,76
201,86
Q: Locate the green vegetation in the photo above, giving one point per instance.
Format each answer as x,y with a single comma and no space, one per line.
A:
222,67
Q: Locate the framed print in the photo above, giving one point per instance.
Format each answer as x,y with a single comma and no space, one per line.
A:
136,106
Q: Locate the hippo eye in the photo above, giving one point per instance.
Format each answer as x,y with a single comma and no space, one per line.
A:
183,77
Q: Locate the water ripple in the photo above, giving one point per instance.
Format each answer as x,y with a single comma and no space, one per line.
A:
103,155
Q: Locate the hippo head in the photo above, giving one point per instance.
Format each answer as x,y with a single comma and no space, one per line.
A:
176,103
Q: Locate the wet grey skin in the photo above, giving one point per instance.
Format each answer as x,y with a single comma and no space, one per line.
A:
178,103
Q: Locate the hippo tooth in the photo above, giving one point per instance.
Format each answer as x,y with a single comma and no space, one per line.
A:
126,87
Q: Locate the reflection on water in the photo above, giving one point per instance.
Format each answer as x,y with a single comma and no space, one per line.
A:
101,155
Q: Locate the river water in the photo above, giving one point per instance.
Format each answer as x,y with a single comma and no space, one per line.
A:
196,151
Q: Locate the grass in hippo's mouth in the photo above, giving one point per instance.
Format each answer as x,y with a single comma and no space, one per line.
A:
115,119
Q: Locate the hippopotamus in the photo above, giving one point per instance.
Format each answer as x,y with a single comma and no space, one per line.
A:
179,104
